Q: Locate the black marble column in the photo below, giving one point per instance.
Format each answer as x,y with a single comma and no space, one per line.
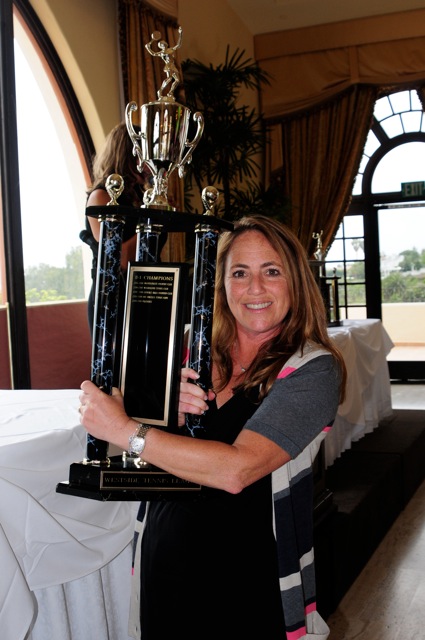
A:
148,234
202,315
105,317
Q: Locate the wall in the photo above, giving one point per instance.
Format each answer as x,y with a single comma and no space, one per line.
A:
84,33
208,27
59,345
404,333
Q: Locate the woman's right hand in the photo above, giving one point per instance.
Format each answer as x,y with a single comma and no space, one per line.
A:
104,416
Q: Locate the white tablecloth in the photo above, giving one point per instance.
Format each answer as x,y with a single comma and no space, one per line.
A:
66,561
365,345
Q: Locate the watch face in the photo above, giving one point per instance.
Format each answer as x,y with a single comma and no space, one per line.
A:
137,440
137,445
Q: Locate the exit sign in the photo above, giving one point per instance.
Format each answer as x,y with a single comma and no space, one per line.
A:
412,189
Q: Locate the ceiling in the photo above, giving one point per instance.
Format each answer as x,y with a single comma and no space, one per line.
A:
264,16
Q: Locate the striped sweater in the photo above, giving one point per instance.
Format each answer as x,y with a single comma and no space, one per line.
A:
297,415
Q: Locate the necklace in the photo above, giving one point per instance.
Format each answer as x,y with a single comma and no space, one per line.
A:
236,352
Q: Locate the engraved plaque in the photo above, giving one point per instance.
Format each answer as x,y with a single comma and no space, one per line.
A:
152,353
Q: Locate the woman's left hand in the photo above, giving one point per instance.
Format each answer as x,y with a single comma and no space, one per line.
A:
193,398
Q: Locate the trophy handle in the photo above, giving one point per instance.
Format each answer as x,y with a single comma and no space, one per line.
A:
132,106
198,117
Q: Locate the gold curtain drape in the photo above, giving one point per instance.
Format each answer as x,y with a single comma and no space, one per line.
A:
321,153
142,76
332,62
320,120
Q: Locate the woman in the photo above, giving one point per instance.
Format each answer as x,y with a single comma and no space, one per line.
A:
237,562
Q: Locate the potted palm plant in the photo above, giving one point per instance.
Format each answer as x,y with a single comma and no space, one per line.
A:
233,140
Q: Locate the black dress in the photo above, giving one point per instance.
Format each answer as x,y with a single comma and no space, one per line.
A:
208,564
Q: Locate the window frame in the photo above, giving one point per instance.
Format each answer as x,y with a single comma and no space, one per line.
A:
11,249
36,31
367,204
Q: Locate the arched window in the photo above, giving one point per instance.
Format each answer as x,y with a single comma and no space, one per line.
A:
52,183
379,249
54,156
53,168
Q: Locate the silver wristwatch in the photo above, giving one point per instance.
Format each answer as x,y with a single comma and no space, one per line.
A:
137,441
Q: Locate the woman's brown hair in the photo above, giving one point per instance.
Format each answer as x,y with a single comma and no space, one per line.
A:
116,156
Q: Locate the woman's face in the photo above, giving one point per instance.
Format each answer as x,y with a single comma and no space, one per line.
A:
256,285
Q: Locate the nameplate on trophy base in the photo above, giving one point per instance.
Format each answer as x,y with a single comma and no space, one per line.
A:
126,479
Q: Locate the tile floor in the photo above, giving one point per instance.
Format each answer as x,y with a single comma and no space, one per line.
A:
408,396
387,601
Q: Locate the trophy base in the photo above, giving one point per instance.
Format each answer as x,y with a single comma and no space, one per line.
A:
125,480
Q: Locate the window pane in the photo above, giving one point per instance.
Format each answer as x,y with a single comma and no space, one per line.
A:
354,249
405,163
341,295
356,294
372,144
411,121
363,163
400,101
339,233
50,201
336,251
400,230
52,182
355,271
414,99
392,126
382,109
353,226
334,269
357,188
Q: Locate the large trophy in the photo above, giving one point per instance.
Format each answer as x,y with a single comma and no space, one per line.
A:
154,326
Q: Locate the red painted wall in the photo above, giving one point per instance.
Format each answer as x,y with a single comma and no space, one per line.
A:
59,346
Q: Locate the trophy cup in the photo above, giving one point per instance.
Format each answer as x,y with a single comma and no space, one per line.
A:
154,319
162,143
